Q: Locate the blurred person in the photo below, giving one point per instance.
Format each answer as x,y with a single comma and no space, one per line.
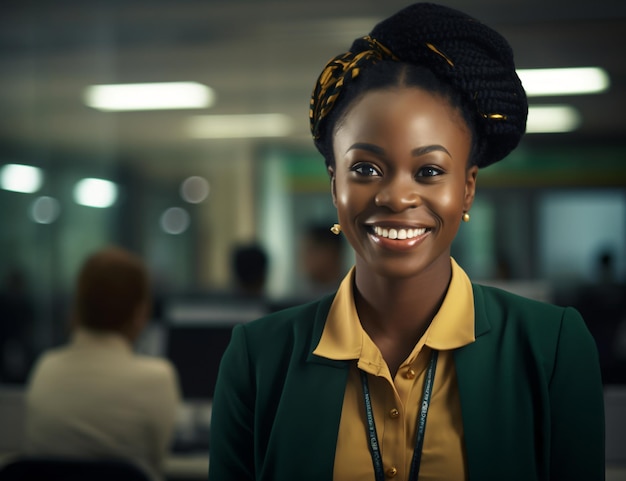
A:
410,370
503,271
94,397
602,304
322,260
249,267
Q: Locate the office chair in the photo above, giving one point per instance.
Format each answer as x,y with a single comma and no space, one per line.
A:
64,469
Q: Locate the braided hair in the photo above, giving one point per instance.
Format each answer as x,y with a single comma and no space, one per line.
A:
445,51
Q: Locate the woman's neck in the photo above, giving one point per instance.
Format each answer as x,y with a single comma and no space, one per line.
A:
401,303
395,312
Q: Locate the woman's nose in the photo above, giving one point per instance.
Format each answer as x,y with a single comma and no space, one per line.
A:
398,194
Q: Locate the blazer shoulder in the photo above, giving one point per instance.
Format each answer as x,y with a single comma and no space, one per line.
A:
306,318
540,323
502,310
494,299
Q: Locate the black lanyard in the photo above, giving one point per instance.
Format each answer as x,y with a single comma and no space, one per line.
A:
427,392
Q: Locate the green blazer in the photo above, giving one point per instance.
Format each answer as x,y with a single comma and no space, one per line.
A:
530,389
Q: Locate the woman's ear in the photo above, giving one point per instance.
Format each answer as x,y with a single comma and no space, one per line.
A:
333,191
470,187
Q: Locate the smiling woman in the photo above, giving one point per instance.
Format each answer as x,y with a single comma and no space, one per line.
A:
410,370
401,163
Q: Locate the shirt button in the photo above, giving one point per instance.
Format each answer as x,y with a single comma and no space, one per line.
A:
391,472
410,374
394,413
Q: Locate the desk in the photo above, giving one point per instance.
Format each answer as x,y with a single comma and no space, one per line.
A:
187,467
615,473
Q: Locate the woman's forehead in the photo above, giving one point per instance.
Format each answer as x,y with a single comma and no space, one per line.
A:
374,110
402,120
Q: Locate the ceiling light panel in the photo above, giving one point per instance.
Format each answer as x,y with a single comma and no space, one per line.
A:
552,119
21,178
564,81
239,126
149,96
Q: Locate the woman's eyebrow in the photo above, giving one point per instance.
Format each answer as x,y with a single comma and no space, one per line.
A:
375,149
429,148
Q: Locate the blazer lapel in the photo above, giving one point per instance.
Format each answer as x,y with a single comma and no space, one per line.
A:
474,367
310,405
496,405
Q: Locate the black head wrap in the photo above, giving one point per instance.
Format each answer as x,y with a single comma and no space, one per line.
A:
461,51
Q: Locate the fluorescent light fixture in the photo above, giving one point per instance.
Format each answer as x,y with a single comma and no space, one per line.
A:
95,192
564,81
21,178
239,126
149,96
552,119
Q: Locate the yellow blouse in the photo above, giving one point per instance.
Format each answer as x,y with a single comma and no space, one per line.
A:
395,400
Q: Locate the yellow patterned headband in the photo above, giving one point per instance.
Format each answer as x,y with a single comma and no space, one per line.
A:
464,55
332,78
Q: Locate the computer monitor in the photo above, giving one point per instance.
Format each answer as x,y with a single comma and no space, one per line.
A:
197,334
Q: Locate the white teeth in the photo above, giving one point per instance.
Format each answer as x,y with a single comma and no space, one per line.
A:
398,233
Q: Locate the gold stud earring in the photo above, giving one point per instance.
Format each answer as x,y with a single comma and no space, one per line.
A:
335,229
466,217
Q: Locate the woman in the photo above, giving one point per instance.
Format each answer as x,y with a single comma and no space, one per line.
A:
95,398
410,371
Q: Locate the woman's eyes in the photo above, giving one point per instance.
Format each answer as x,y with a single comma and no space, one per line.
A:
366,170
429,171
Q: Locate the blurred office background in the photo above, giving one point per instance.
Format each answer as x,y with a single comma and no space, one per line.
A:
182,186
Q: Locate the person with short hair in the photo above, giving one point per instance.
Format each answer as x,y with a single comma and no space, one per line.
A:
322,260
250,265
410,371
94,397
